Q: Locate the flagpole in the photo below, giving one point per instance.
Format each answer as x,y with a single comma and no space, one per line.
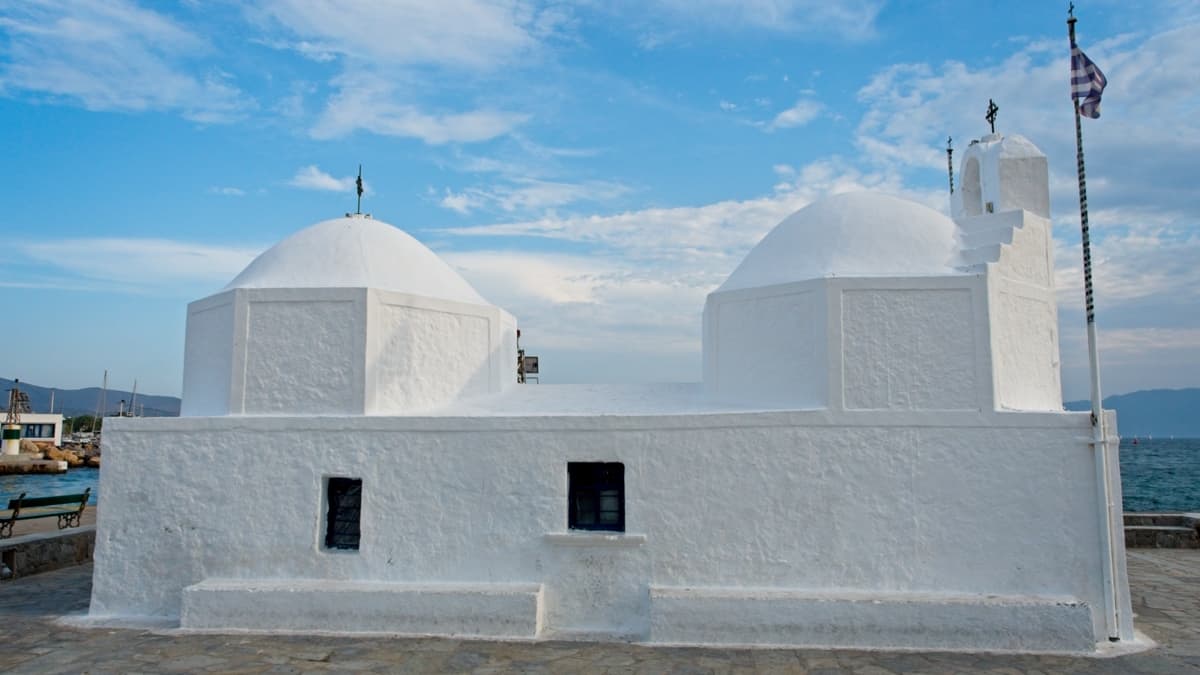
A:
1099,440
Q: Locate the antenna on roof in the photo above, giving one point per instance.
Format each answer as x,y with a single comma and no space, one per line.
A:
358,185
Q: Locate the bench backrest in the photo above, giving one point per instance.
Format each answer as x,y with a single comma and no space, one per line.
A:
22,503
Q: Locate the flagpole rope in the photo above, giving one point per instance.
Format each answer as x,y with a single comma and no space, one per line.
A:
1083,220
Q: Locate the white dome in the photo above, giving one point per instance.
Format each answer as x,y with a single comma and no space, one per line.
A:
852,234
356,252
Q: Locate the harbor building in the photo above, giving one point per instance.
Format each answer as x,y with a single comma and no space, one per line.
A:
877,455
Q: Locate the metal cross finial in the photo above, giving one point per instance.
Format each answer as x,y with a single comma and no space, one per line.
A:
1071,10
358,184
991,114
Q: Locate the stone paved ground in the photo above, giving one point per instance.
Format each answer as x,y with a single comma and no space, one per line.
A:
1165,584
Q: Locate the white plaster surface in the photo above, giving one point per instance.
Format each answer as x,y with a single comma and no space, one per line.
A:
909,349
312,605
916,343
208,356
301,357
341,351
356,252
851,234
874,620
883,502
768,348
413,351
1008,171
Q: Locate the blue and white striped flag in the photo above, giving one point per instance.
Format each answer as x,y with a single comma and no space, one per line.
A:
1087,83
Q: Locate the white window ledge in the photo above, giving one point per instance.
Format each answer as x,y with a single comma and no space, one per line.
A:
584,538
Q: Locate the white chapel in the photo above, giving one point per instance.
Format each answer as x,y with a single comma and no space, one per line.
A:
877,456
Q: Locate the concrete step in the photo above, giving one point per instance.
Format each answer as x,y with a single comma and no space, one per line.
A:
981,254
984,237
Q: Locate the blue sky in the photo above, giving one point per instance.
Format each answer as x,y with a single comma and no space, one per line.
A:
594,167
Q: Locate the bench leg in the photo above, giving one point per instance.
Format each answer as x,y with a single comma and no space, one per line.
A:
68,520
6,529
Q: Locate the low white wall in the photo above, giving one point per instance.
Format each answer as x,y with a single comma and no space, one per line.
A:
967,504
854,343
208,355
768,346
273,351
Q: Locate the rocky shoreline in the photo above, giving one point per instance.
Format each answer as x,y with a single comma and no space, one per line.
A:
41,457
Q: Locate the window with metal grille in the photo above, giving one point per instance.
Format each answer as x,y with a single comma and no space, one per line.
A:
596,495
344,506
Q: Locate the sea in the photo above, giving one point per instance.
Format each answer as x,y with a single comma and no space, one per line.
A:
1157,474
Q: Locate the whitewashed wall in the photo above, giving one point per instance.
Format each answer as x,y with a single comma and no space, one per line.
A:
1009,172
791,527
423,352
768,346
208,351
867,343
340,351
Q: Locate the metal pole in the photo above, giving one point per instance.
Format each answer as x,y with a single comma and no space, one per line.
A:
1099,440
950,162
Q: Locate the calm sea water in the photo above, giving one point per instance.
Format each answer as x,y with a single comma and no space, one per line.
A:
45,485
1157,475
1161,474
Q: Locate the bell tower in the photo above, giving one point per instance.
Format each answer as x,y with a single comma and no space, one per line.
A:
1002,173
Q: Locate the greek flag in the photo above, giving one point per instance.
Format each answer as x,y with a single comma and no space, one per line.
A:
1087,83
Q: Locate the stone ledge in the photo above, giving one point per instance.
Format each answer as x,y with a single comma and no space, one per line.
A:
45,551
581,538
1162,530
509,611
872,620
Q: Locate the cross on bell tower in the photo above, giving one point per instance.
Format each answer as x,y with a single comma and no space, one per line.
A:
991,114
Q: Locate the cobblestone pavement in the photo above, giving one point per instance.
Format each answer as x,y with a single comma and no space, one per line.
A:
1165,583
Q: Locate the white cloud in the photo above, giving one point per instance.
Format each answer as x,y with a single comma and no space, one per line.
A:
471,34
1151,118
727,106
227,191
312,178
113,55
584,305
844,19
528,194
368,102
1134,267
805,111
151,262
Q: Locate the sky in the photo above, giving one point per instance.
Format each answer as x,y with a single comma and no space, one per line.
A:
596,168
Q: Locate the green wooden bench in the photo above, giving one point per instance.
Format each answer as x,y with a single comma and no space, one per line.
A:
68,509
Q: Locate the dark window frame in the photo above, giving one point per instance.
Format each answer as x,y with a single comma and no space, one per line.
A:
590,496
343,513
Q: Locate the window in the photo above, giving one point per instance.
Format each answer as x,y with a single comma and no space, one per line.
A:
344,505
38,431
596,496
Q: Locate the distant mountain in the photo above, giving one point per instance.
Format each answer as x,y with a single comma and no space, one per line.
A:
71,402
1153,412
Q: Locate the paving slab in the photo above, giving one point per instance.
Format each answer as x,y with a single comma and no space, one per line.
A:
1164,585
